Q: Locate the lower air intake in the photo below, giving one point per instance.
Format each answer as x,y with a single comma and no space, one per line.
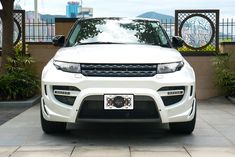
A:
172,99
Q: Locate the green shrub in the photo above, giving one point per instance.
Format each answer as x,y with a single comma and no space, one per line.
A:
226,40
207,49
19,82
18,85
224,77
19,62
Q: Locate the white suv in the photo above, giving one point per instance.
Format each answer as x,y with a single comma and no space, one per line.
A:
118,70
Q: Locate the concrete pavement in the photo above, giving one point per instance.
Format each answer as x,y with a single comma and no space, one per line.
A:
9,112
111,151
214,135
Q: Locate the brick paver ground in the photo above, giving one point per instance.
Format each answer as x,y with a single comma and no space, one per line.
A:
214,135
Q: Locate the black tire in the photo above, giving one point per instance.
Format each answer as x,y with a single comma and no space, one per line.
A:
50,127
184,127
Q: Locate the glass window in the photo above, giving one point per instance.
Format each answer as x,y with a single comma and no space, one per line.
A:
118,30
74,35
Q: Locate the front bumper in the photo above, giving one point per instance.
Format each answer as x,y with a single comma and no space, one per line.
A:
181,111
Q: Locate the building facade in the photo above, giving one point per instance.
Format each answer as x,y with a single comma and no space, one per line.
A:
85,12
72,9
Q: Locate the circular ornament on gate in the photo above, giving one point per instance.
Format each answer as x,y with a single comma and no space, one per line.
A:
198,31
16,33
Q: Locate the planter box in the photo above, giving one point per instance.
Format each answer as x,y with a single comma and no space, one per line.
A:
26,103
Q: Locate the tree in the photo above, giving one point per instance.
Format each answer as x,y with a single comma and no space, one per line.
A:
8,26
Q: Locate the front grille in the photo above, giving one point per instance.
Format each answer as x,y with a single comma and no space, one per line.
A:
119,70
94,109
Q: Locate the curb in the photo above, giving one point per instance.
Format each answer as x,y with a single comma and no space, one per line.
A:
231,99
27,103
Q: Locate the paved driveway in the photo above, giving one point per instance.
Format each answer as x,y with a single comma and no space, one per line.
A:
214,136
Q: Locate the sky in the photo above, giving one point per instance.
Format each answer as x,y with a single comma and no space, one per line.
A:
132,8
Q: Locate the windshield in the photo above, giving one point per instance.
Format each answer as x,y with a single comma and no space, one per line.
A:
119,31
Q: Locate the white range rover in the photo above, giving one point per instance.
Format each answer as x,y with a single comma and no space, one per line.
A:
118,70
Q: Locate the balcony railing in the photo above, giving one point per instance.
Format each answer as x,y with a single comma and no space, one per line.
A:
44,31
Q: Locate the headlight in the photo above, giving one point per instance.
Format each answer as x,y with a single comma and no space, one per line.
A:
67,67
169,67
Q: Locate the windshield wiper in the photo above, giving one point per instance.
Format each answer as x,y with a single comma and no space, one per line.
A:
91,43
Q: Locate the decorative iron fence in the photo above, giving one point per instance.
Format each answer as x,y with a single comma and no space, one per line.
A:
227,30
44,31
199,29
169,26
39,31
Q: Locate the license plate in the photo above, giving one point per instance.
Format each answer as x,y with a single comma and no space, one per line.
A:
118,102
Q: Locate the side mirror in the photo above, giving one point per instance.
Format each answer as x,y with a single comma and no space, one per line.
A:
58,40
177,42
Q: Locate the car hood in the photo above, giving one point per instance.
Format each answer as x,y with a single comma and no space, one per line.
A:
118,53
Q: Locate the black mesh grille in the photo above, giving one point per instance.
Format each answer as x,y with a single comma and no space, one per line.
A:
119,70
170,100
172,88
65,88
94,109
68,100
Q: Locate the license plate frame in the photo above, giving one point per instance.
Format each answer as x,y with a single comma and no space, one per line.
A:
129,99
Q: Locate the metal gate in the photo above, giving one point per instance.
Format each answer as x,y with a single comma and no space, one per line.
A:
19,29
199,29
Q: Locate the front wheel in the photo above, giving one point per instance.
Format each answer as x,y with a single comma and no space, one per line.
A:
184,127
50,127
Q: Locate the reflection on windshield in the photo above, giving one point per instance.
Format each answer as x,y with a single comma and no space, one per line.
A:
115,30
